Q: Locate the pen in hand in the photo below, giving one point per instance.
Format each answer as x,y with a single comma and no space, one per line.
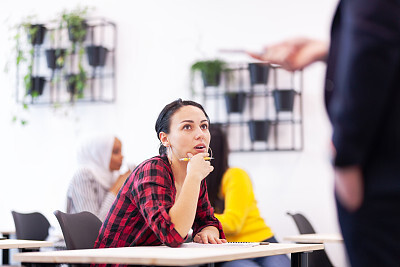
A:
187,159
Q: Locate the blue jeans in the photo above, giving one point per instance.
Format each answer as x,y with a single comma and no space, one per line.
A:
270,261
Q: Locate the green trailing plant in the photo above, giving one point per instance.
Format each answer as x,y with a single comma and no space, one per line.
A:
32,33
26,35
76,83
77,29
76,23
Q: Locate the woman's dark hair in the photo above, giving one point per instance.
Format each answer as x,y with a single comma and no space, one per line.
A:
219,146
163,122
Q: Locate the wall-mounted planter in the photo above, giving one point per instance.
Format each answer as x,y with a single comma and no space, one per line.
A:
284,99
75,83
259,130
38,31
37,85
97,55
210,71
258,73
55,58
211,79
77,32
235,102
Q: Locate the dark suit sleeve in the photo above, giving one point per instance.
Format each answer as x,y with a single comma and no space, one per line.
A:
365,76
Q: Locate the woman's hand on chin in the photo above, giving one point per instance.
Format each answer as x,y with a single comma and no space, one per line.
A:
198,167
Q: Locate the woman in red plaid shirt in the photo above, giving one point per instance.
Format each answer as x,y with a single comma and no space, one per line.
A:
165,196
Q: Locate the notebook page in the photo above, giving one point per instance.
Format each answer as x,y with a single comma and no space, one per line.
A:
223,245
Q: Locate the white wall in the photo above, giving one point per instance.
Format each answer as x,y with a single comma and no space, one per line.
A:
157,42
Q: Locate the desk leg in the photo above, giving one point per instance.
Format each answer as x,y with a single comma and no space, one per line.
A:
299,259
6,253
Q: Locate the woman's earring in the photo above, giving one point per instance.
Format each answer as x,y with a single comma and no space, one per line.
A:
211,153
169,154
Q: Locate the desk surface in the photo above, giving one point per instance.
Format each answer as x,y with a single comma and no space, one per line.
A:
162,255
6,231
18,243
315,238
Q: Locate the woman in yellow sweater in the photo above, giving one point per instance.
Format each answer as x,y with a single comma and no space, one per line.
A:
231,194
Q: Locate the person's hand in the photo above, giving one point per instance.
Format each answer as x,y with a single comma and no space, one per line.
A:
208,235
198,167
349,187
294,54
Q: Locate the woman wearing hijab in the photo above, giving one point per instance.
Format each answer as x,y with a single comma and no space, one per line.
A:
95,184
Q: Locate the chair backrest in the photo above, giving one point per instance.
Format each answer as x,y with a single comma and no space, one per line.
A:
302,223
31,226
318,258
80,230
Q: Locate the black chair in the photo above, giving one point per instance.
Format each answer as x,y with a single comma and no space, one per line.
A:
31,226
80,230
318,258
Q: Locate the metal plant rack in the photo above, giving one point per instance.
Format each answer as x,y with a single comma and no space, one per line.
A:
100,80
259,103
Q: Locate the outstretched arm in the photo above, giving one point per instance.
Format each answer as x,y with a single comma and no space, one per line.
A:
294,54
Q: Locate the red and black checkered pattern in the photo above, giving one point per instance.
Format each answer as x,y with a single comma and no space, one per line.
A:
139,215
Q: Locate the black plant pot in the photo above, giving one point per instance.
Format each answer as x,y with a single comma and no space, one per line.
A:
211,79
259,130
284,99
73,32
52,55
37,85
235,102
97,55
258,73
72,83
38,37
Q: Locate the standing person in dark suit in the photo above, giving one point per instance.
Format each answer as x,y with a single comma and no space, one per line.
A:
363,102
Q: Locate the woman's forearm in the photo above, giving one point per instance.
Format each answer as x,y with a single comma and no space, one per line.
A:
183,212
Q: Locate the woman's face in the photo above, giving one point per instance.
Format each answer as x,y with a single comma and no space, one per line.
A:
116,156
188,132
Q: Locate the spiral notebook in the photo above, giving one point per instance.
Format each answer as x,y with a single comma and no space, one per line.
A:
224,245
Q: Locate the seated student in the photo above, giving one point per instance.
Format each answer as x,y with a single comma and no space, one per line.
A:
231,194
165,196
95,183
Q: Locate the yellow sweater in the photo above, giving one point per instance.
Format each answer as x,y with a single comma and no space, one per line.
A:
241,218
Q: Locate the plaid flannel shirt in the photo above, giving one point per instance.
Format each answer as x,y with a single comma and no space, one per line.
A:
139,215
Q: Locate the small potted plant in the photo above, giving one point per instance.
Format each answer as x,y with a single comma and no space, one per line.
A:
235,102
55,58
96,55
258,73
76,24
36,33
35,85
76,83
210,71
259,130
284,99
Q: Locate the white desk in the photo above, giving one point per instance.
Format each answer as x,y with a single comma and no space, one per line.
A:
18,243
7,244
7,232
315,238
162,255
6,255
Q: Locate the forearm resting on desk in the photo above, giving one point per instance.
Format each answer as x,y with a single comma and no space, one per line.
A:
183,212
